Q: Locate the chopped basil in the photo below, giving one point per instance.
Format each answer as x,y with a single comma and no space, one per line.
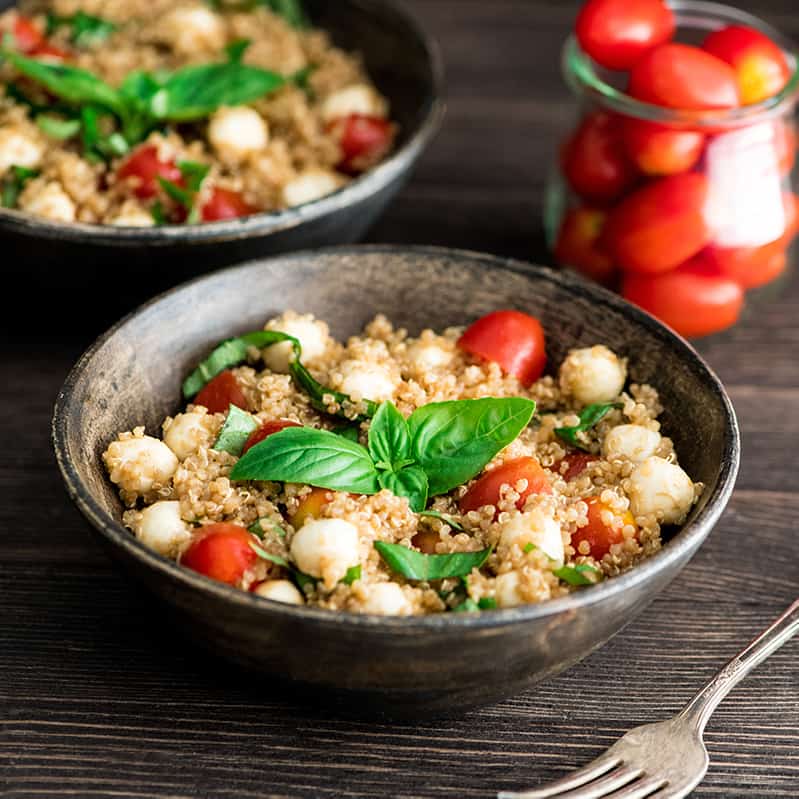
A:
528,547
158,214
235,431
86,29
236,50
193,174
470,606
13,184
444,517
417,566
353,574
262,553
257,528
590,415
59,129
576,575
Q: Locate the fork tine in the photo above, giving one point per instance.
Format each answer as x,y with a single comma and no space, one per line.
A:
596,768
640,789
604,786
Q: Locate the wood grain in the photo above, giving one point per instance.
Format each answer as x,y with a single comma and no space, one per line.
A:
97,699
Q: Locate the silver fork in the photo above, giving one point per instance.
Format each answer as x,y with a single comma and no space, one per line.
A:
666,760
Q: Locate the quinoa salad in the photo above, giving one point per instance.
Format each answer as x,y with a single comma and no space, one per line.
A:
401,475
137,113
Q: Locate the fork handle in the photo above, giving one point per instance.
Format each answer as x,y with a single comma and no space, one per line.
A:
701,707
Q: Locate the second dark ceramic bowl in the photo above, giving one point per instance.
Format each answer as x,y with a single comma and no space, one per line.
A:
410,666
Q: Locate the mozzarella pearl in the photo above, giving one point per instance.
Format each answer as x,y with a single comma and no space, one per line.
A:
186,433
364,380
280,591
313,184
592,374
356,99
161,528
236,132
312,334
326,549
507,590
193,28
534,527
139,464
386,599
51,202
16,149
630,441
661,489
428,356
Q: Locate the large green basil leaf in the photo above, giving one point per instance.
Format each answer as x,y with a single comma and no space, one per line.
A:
310,456
410,482
235,431
389,438
416,566
589,416
453,441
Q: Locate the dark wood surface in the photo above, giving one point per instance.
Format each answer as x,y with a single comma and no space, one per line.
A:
98,699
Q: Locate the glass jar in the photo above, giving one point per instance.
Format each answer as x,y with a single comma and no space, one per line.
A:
664,204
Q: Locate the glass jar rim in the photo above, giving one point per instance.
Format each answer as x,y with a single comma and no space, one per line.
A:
581,76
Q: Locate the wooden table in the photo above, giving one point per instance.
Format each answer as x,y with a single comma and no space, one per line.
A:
96,699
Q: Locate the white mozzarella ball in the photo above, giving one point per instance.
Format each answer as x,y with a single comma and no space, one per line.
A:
631,441
356,99
280,591
313,184
312,334
534,527
366,380
661,489
326,549
386,599
193,28
507,590
161,528
17,149
186,433
139,464
236,132
428,356
50,202
593,374
132,215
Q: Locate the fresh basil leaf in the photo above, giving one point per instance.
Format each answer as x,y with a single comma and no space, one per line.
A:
467,606
257,528
317,392
194,173
444,517
353,574
528,547
389,438
487,603
348,431
291,10
86,28
177,193
417,566
116,144
229,353
410,482
589,416
235,50
159,216
453,441
262,553
14,182
58,129
235,431
576,575
302,79
91,132
302,579
314,457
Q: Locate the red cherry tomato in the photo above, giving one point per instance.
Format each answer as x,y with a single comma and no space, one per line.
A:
578,244
658,150
600,534
225,204
363,141
486,490
760,66
221,551
616,33
49,52
576,464
594,162
695,299
682,76
144,167
266,430
513,339
27,35
660,225
220,393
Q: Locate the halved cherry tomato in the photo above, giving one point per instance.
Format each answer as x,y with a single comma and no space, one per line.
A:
225,204
600,534
49,52
145,167
513,339
658,150
221,551
363,141
661,225
310,506
578,244
576,463
266,430
682,76
760,65
27,35
594,161
695,299
616,33
220,393
486,490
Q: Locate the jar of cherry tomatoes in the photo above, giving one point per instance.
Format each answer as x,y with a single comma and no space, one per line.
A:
675,186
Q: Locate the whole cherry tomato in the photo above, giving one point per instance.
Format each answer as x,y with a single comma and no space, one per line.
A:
578,244
682,76
225,204
486,489
658,150
660,225
695,299
604,529
363,141
513,339
576,463
760,65
616,33
221,551
265,430
594,161
27,35
310,506
144,167
220,393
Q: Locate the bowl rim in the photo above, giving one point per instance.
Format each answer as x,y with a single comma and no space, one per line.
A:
684,543
268,222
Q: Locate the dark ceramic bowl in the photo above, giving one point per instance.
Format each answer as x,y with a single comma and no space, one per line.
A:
436,663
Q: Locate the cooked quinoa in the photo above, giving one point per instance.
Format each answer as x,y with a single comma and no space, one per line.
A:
589,510
286,119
